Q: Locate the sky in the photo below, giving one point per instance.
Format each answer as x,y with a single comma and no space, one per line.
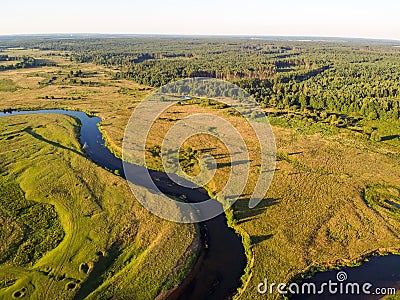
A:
334,18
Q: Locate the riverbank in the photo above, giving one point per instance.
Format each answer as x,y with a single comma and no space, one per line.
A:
101,219
310,271
217,237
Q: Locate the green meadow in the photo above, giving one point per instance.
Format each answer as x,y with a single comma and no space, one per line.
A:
72,229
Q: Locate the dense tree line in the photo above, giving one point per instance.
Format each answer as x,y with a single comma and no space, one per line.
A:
357,77
23,62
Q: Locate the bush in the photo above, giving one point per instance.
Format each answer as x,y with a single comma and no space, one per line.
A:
375,136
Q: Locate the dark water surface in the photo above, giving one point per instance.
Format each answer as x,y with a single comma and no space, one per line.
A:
216,274
379,271
393,203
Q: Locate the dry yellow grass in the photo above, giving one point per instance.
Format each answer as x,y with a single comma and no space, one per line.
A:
314,213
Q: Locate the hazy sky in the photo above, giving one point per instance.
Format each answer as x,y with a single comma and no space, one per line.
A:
344,18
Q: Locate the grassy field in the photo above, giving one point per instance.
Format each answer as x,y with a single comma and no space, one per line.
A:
72,229
315,212
7,85
93,90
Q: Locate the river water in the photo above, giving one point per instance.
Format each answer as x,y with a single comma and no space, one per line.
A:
221,262
379,271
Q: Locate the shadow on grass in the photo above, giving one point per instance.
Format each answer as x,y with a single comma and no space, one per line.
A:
234,163
260,238
243,213
295,153
96,275
390,137
55,144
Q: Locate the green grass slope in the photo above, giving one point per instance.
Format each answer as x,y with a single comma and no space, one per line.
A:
69,227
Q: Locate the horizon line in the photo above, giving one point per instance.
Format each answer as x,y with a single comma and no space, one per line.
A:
312,37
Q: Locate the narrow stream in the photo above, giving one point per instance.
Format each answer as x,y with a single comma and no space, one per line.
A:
393,203
220,265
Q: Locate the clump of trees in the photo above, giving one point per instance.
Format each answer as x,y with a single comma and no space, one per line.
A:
23,62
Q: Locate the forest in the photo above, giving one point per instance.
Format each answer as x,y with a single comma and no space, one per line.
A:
357,79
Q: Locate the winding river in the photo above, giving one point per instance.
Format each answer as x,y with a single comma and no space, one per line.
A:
216,273
221,262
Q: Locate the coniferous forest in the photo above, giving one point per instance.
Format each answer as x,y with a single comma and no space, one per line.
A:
348,77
